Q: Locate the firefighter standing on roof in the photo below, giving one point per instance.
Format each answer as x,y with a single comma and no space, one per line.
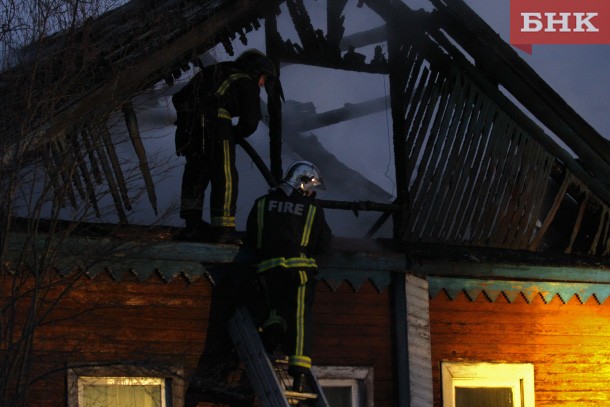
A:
206,137
287,227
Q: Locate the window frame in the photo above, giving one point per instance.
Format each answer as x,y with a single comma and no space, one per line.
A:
517,376
121,381
172,381
359,378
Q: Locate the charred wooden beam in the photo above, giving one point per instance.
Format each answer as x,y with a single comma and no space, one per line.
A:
378,224
79,158
577,224
345,63
53,176
405,209
357,206
602,230
315,47
403,19
116,166
350,61
274,98
537,241
302,117
61,164
362,39
109,178
72,163
134,134
335,20
87,139
303,26
398,102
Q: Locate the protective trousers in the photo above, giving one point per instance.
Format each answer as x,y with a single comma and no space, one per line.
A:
225,181
290,294
195,180
215,165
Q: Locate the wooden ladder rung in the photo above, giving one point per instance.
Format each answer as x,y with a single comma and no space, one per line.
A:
300,396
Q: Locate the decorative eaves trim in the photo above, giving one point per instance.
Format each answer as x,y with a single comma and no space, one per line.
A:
511,289
169,260
506,271
381,279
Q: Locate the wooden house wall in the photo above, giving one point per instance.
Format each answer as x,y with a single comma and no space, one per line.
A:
152,322
566,342
354,328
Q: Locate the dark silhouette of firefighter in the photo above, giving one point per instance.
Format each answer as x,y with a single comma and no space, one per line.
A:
206,137
287,227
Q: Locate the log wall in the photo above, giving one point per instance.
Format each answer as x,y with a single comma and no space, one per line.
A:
566,342
355,329
152,322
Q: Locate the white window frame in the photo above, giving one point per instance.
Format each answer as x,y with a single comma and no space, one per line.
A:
358,378
120,381
171,382
519,377
351,383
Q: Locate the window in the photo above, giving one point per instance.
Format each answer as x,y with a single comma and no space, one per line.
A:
487,384
123,386
340,392
121,391
346,386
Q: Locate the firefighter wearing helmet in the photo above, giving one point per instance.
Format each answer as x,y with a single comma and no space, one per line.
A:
206,137
287,228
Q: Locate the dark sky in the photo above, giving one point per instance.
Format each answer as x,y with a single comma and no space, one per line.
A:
578,73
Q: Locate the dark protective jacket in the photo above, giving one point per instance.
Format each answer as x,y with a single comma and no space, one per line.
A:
218,92
287,227
287,230
206,136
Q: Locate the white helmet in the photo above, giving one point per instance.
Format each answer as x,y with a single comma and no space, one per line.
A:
304,177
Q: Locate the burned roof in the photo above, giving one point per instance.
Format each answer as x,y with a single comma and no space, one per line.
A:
471,166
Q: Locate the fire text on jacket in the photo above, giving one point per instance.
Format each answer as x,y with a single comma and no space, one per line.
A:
285,207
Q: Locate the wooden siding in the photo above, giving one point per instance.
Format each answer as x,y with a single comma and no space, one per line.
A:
418,333
354,329
160,324
566,342
124,322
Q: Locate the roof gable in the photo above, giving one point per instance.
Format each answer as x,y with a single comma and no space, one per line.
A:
470,164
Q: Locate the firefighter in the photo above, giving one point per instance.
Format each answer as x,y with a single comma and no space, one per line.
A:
287,227
206,137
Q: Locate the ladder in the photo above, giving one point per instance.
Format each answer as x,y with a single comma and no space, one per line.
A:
269,379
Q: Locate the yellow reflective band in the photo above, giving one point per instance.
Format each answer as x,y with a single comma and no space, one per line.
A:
226,153
295,262
308,225
226,221
300,360
300,316
260,219
224,114
303,277
227,82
